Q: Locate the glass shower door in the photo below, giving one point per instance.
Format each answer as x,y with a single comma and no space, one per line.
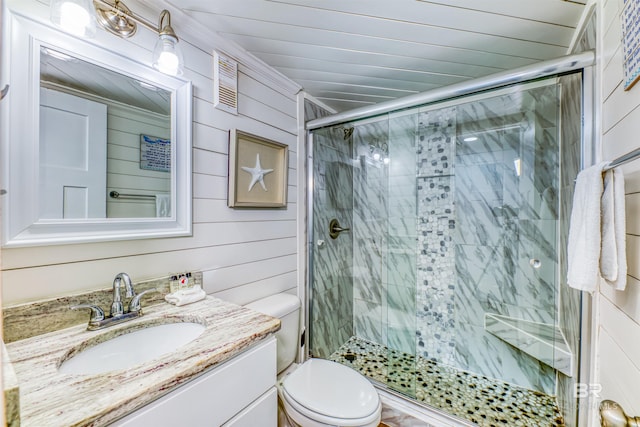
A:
331,291
449,286
401,270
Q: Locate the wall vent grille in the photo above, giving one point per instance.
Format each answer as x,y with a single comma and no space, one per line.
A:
225,83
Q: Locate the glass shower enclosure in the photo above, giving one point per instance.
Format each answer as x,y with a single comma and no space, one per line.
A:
437,251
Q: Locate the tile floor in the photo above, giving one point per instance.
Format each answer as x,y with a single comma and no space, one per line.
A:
486,402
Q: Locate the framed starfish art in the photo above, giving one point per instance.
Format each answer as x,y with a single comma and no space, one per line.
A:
257,171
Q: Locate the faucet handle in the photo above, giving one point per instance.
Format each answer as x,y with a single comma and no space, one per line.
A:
97,314
134,304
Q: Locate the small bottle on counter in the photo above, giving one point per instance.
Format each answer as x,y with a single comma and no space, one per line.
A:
174,285
192,282
183,279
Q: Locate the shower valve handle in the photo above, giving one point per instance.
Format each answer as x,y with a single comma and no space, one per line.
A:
335,229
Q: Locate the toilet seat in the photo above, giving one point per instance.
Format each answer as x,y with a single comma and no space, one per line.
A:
305,417
331,394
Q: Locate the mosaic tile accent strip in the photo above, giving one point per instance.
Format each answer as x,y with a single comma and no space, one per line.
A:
479,399
436,227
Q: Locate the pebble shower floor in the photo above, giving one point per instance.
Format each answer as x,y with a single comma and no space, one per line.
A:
486,402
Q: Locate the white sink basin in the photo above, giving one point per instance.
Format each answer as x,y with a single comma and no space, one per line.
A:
131,349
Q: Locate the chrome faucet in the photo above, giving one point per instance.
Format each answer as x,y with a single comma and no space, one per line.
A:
117,309
117,314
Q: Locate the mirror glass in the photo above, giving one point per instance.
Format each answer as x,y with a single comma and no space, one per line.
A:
95,143
105,142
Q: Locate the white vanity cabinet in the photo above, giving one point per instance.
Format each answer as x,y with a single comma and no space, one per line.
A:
240,393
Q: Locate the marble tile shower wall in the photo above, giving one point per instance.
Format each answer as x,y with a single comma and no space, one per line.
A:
332,311
384,232
504,221
480,225
370,213
402,268
313,111
332,292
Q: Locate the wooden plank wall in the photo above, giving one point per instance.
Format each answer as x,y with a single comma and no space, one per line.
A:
124,175
617,319
244,254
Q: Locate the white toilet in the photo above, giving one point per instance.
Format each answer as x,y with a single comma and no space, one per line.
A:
317,393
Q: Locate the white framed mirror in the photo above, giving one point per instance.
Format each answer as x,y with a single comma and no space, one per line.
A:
95,145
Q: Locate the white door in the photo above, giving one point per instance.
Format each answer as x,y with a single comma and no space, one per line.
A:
73,156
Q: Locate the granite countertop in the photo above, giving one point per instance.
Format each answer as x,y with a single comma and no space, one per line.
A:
53,399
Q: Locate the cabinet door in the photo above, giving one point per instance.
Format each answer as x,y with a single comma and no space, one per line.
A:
215,397
263,412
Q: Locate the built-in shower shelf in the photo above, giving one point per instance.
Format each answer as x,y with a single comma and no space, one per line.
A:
544,342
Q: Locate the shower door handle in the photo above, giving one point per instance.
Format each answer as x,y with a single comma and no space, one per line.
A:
335,229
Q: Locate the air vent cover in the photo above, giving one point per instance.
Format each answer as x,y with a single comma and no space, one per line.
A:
225,83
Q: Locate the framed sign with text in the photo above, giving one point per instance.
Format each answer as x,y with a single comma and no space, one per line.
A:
631,42
155,153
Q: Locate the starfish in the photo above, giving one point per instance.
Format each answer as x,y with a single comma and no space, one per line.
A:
257,174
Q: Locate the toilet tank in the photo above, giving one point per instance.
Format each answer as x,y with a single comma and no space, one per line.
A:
285,307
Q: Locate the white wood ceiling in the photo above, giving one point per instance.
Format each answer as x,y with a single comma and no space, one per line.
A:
351,53
73,73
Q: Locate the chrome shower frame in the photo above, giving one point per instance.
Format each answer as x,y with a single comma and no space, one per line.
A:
538,70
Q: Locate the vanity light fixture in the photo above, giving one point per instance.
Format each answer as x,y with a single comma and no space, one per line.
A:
115,17
79,18
167,55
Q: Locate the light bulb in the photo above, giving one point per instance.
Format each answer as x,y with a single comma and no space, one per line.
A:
167,57
376,156
386,160
168,63
76,17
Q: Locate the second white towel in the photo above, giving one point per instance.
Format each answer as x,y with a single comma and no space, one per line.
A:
596,246
613,258
163,205
186,296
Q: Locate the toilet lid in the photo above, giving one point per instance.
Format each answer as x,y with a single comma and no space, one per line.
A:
331,389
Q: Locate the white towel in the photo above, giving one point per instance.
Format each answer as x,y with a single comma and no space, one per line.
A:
186,296
596,231
613,259
163,205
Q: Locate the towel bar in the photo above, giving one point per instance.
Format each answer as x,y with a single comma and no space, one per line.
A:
630,156
612,415
114,194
